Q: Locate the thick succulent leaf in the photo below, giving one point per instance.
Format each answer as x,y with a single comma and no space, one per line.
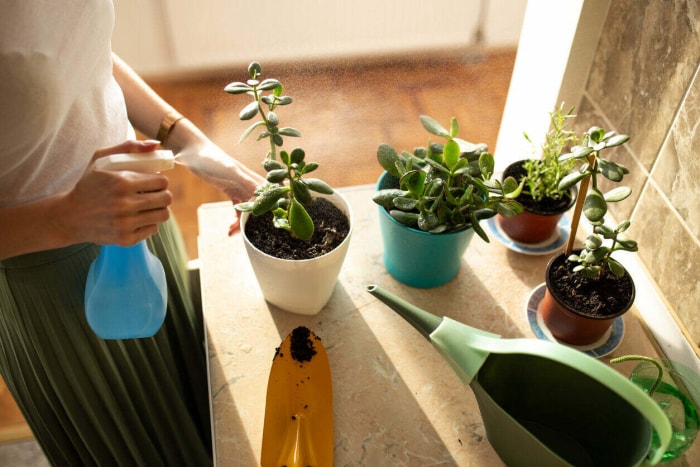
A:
268,199
432,126
386,197
414,181
297,155
387,157
237,88
617,194
404,203
570,180
616,268
268,84
318,185
594,206
611,170
478,229
301,192
250,129
454,128
616,140
451,155
276,175
409,219
287,131
244,207
249,111
300,221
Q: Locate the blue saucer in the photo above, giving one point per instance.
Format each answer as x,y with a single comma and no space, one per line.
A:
553,244
607,344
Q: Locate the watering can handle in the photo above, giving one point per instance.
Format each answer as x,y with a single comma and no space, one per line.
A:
453,334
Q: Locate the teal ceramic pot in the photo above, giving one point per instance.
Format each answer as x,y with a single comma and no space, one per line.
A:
418,258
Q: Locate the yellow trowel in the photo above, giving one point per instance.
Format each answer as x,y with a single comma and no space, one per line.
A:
298,430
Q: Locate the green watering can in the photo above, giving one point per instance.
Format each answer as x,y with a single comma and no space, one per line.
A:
543,403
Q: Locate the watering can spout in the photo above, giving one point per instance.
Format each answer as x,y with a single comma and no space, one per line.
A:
420,319
450,338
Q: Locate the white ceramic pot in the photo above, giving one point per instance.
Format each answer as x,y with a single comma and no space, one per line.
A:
299,286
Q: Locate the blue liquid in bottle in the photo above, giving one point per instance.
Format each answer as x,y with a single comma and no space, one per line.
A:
126,293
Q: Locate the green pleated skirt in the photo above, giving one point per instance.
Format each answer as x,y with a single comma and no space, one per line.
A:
101,402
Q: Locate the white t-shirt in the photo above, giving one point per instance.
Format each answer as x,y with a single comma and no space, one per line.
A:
59,102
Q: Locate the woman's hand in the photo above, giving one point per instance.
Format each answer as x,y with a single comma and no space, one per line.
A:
120,207
214,166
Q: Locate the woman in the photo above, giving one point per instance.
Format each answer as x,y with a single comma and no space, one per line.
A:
66,100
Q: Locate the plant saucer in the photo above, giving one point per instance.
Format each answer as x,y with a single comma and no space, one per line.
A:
553,244
604,346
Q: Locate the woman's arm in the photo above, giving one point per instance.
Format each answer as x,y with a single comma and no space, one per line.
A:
119,208
204,158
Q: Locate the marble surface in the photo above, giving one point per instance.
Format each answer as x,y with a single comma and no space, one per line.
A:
396,401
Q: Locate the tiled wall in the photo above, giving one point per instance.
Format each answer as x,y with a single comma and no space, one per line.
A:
644,82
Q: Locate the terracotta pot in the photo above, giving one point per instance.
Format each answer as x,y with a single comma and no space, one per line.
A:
534,224
570,325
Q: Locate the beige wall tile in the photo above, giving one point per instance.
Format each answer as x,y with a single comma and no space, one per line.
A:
671,254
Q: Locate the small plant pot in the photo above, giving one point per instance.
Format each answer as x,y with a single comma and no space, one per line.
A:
538,221
417,258
299,286
561,311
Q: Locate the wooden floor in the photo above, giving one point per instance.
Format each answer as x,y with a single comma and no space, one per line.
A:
344,110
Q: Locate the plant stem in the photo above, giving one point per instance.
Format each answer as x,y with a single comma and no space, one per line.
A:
643,358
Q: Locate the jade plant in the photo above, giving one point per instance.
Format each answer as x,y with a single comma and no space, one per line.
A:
287,189
543,175
605,240
445,187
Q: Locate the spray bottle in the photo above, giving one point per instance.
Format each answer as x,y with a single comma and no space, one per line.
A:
126,292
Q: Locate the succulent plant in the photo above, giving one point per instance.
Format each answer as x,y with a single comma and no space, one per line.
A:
445,187
287,189
605,240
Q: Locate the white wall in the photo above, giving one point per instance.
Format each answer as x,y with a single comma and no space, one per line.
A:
165,37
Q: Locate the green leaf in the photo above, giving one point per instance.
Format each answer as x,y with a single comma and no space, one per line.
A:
249,130
433,127
592,242
287,131
318,185
254,69
267,199
297,155
409,219
617,194
276,176
249,111
616,141
478,229
486,164
570,180
244,207
616,268
404,203
309,167
301,192
300,222
284,157
451,155
594,206
611,170
385,197
268,84
387,157
627,244
237,88
454,128
270,164
414,181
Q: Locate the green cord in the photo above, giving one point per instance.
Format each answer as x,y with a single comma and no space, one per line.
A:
627,358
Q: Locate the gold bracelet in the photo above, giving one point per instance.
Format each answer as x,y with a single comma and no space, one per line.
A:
166,126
